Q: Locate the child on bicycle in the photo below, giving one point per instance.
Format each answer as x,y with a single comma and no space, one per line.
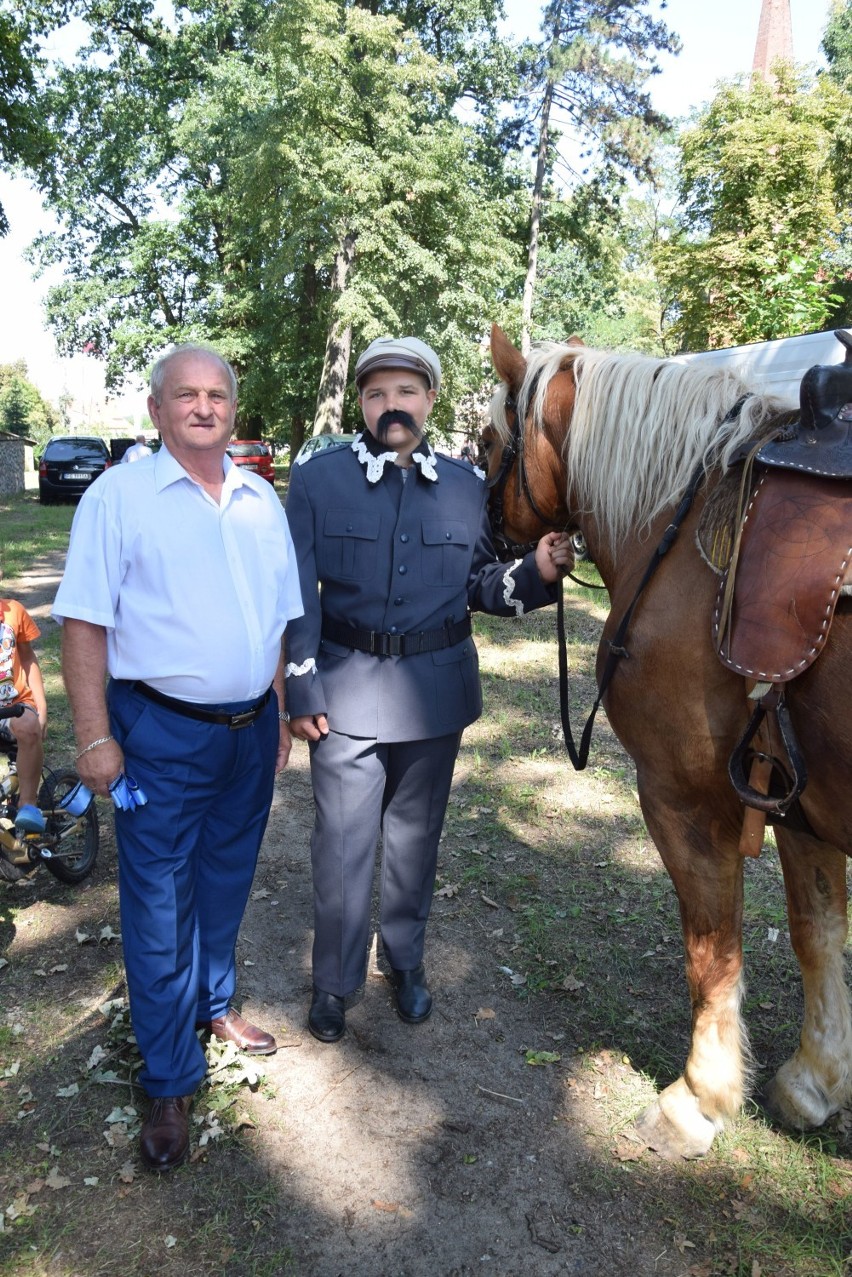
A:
21,682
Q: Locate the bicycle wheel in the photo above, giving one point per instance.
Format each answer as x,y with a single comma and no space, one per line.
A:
73,840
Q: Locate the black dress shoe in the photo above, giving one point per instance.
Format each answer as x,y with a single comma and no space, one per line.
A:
413,999
327,1016
164,1141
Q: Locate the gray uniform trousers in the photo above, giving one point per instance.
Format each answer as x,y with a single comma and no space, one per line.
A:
360,785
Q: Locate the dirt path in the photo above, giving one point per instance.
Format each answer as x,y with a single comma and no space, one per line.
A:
428,1151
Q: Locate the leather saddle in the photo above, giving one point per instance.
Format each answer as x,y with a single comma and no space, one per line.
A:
790,560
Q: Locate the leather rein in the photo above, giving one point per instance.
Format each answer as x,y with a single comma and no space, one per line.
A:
513,452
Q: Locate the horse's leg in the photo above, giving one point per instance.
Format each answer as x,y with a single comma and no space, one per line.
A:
817,1080
707,872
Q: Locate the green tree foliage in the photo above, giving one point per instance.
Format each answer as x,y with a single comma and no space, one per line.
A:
22,139
590,73
837,45
406,227
596,277
210,172
23,411
759,215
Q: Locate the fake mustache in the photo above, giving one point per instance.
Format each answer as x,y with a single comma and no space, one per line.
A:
396,416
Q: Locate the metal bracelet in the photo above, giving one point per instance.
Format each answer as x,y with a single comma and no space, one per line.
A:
102,740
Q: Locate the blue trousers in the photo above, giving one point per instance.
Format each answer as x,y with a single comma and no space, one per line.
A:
185,867
360,787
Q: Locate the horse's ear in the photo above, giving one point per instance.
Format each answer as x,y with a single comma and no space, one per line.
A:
574,340
509,363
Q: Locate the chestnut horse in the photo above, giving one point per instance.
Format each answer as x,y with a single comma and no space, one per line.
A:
609,443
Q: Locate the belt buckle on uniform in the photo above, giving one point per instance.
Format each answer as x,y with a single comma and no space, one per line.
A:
393,646
244,719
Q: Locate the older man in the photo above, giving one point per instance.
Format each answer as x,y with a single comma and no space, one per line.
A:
394,552
180,581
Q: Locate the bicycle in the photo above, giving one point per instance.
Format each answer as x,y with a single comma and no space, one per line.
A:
69,844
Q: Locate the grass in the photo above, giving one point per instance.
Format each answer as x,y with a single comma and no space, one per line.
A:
30,530
587,919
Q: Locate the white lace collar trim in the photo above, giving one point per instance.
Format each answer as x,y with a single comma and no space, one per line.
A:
374,462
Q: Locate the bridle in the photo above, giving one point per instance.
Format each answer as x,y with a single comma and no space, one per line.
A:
513,451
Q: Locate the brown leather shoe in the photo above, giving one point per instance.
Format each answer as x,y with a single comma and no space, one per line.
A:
231,1027
164,1142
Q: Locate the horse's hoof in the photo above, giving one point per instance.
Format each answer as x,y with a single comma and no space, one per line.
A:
689,1137
794,1100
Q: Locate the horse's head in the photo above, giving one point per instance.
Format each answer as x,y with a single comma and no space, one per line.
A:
525,441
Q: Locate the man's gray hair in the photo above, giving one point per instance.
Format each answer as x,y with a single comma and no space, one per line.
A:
158,372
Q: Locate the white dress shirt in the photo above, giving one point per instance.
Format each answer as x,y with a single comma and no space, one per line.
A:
194,595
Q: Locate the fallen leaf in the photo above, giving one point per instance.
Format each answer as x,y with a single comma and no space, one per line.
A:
81,936
571,984
65,1092
4,962
108,934
35,1186
59,968
170,1241
127,1173
55,1180
542,1057
682,1242
262,893
485,1013
627,1151
488,901
97,1055
445,893
91,1181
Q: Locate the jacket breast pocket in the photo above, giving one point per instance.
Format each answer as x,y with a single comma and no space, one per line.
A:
347,548
446,552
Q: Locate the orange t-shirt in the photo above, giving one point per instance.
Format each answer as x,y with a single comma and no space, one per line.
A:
16,626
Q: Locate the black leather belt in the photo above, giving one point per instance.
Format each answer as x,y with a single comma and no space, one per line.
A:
190,710
376,644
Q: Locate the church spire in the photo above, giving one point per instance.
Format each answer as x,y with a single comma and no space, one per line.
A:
774,37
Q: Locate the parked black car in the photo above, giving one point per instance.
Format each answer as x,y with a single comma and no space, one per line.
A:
68,465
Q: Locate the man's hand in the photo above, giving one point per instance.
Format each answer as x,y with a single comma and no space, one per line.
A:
554,556
309,727
99,767
285,744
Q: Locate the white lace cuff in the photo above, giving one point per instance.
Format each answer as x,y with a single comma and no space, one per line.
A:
309,667
509,589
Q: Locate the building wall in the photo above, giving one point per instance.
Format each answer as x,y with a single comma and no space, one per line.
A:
16,457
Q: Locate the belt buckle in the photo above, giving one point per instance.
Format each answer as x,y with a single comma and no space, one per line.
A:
393,645
244,719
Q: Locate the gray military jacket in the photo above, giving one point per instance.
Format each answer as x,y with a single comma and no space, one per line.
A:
394,552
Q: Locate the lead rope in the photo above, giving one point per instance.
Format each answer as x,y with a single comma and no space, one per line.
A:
580,757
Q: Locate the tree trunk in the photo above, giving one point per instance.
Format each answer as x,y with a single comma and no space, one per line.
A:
335,368
535,218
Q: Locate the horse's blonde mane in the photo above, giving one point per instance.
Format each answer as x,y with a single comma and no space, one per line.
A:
640,427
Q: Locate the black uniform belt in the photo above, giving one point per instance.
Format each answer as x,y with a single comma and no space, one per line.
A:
189,709
377,644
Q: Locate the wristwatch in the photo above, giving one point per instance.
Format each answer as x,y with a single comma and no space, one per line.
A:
283,716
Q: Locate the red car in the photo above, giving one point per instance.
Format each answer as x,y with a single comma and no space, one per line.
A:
253,455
